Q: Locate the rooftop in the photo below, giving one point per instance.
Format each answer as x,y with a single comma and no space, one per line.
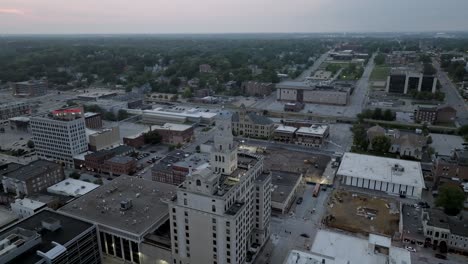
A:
28,203
115,151
318,129
32,170
412,222
283,183
72,187
256,118
171,126
171,158
6,217
121,159
69,229
285,129
127,203
382,169
90,114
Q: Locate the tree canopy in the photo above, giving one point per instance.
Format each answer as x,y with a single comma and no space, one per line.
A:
451,197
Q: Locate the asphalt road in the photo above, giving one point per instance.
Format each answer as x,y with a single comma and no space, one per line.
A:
452,96
312,68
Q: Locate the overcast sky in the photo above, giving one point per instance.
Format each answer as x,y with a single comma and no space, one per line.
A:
230,16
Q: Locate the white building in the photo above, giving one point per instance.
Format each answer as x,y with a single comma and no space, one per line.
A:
26,207
60,136
223,211
162,116
337,248
393,176
72,187
313,136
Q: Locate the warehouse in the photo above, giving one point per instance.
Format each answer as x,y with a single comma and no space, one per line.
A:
393,176
303,92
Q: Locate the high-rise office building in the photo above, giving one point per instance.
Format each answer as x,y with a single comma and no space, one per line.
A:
60,135
223,210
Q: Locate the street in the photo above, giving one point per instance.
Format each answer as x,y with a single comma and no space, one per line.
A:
452,96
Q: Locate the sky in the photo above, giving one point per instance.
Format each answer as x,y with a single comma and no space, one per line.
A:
230,16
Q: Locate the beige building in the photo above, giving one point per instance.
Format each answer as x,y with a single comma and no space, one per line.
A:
223,210
105,138
250,124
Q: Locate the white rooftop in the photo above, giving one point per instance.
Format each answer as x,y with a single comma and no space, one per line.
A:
318,129
28,203
72,187
285,129
194,113
171,126
346,249
88,114
383,169
301,257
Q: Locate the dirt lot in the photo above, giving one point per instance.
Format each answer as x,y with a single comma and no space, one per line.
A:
363,214
308,164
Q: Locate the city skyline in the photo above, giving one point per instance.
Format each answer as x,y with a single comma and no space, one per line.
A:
209,16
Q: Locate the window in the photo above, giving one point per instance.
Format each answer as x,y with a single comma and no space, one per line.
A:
213,208
185,201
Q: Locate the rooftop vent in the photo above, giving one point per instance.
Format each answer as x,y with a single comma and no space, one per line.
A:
51,224
125,205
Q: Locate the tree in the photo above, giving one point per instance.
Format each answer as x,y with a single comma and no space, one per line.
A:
359,137
30,144
429,69
122,114
451,198
98,181
74,175
152,137
197,148
379,59
381,144
109,116
377,115
388,115
187,93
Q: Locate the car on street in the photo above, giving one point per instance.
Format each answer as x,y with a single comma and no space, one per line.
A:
299,200
305,235
410,249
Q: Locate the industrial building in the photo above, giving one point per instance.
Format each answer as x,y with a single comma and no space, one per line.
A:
222,211
304,92
161,116
131,216
60,135
392,176
252,88
50,237
174,133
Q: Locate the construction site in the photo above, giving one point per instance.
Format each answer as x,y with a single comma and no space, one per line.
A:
364,214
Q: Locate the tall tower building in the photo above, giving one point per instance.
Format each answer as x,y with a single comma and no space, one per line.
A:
60,135
222,211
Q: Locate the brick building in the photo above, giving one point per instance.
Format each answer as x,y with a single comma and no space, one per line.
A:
32,178
96,160
119,165
174,133
93,120
455,166
431,115
253,88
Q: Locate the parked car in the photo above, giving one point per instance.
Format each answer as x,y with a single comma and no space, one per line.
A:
299,200
305,235
410,249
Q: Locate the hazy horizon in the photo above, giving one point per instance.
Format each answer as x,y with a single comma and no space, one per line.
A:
242,16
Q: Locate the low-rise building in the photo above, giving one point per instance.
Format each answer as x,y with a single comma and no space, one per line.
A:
32,178
93,120
454,166
293,107
285,188
313,136
72,188
251,124
30,88
404,81
305,92
104,138
431,115
50,237
284,133
252,88
14,109
26,207
164,170
161,116
392,176
119,165
131,216
94,161
97,95
205,68
174,133
20,123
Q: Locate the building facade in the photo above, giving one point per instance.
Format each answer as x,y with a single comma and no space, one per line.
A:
119,165
60,136
454,166
404,82
93,120
222,211
174,133
431,115
250,124
29,88
32,178
15,109
252,88
104,138
306,93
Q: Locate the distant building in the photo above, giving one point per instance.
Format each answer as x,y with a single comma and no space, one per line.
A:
293,107
95,96
403,82
431,115
131,215
26,207
284,134
205,68
313,136
60,135
14,109
392,176
119,165
169,115
175,167
31,88
251,124
253,88
104,138
50,237
306,93
93,120
95,161
32,178
174,133
20,123
72,188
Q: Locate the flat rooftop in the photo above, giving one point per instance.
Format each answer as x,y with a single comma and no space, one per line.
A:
382,169
103,205
121,159
318,129
285,129
28,203
6,217
172,127
72,187
70,228
283,184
